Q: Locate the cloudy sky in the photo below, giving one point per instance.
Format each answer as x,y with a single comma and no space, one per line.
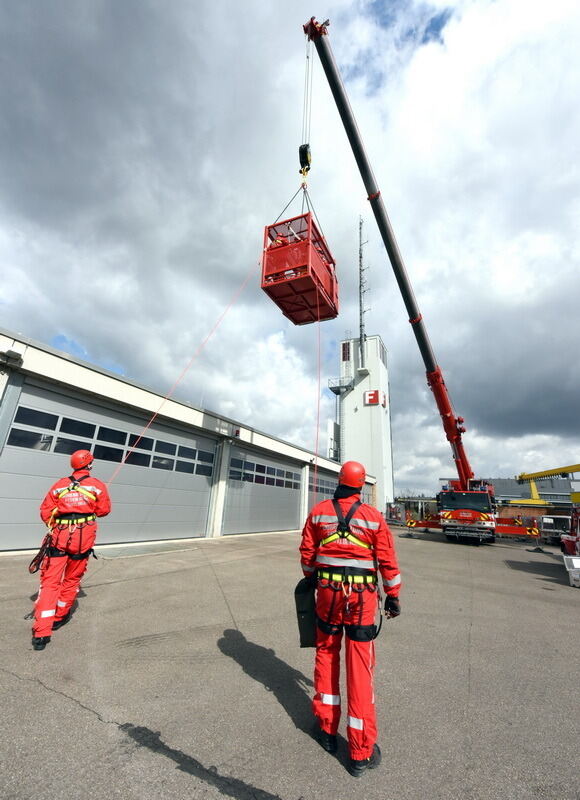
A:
144,145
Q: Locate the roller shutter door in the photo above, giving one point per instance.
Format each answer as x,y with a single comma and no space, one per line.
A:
162,492
263,494
323,487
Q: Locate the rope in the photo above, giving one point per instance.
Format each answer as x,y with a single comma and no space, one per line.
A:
317,402
169,394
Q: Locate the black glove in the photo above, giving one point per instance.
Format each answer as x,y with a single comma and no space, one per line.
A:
311,580
392,607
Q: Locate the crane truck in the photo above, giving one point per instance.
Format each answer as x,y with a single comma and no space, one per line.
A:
466,505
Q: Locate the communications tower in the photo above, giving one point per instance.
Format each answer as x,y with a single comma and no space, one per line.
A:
363,430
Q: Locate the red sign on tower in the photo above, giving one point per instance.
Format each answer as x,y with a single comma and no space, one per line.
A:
375,398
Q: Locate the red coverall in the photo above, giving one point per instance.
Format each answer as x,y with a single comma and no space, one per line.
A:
352,605
72,517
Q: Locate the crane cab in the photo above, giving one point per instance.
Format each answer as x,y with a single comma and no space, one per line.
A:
298,270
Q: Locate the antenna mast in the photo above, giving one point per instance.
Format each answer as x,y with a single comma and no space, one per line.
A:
361,292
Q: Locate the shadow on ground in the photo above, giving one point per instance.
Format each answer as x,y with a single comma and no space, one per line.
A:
289,685
554,572
230,787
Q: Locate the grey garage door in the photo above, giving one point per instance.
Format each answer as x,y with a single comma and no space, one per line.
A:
263,494
322,484
162,491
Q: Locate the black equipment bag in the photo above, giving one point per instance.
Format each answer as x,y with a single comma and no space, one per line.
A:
304,596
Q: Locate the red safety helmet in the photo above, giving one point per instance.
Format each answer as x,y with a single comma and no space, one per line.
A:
352,474
81,458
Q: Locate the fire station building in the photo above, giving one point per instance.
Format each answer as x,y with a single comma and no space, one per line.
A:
191,474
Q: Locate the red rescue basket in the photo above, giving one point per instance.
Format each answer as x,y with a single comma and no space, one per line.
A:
298,270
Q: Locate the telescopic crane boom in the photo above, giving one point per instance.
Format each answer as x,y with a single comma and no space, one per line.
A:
452,424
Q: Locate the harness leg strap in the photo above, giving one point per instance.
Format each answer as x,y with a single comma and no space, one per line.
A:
326,627
80,556
361,633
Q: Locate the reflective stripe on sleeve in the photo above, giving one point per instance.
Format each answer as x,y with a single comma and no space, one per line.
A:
307,569
60,603
393,582
356,723
50,613
330,699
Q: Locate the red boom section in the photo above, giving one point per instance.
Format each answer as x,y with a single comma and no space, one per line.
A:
452,426
298,270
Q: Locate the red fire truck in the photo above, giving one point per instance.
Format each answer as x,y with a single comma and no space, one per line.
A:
467,513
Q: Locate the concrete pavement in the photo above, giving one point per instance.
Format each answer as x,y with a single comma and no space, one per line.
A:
180,676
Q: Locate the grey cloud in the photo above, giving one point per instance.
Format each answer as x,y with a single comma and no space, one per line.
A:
144,147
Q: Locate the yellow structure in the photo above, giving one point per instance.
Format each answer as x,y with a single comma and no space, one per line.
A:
559,472
533,500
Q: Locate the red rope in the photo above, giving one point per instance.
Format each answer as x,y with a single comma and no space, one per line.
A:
317,403
169,394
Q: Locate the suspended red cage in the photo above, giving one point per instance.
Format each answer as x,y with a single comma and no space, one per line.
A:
298,270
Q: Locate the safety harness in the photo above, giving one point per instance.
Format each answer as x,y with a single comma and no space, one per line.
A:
345,577
343,530
75,486
70,520
356,579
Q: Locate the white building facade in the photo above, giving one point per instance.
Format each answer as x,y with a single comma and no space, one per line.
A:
364,412
189,473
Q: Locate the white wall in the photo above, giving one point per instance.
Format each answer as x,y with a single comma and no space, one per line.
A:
366,423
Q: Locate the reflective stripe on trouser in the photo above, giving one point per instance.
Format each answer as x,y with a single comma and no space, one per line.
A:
60,577
360,661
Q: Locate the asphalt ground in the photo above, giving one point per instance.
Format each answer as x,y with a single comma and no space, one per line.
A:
180,676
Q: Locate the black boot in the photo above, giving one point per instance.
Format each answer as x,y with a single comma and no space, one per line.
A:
40,642
60,622
356,768
327,741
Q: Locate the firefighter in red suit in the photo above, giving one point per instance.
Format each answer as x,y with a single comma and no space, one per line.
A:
69,509
347,548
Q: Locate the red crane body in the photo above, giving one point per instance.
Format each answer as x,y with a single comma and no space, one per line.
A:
481,523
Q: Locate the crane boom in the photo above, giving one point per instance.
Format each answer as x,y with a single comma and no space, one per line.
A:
452,424
558,472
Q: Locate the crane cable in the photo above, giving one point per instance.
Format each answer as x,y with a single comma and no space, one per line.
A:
305,162
307,103
304,149
305,167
